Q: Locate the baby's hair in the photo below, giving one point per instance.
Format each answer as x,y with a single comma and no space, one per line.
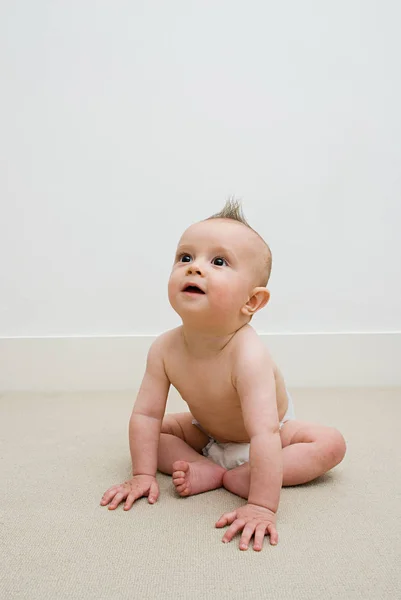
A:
233,210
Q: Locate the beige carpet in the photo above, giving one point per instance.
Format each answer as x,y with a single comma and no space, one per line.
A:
340,537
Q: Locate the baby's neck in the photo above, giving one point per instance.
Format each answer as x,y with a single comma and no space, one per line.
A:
204,345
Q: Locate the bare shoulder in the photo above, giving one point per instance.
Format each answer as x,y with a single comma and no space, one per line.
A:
164,343
254,368
248,349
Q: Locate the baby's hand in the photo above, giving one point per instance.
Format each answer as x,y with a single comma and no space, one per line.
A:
254,520
138,486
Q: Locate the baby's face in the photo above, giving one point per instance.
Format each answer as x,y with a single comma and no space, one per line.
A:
215,270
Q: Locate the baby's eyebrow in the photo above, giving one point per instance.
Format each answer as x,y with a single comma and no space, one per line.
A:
224,252
182,249
213,251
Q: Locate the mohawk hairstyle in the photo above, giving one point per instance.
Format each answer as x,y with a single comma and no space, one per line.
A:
233,210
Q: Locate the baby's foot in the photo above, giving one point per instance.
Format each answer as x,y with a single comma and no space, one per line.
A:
196,477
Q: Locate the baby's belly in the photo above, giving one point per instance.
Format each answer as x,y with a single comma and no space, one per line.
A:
227,424
222,427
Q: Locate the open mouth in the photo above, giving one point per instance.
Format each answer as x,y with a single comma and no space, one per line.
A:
193,289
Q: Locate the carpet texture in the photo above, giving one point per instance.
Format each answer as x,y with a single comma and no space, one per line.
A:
339,536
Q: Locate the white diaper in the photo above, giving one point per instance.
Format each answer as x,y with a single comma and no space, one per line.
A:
231,455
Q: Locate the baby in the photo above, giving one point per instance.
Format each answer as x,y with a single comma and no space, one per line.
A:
240,432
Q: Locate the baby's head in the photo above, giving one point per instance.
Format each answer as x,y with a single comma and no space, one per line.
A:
221,269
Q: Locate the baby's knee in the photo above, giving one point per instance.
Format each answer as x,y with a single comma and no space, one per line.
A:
171,426
335,447
237,481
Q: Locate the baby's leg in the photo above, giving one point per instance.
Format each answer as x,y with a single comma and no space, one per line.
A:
309,450
180,449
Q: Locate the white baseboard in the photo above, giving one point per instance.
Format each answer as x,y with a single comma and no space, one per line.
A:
117,363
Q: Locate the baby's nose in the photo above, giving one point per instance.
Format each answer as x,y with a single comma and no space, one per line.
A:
194,270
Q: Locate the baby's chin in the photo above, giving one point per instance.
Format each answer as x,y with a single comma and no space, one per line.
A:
215,321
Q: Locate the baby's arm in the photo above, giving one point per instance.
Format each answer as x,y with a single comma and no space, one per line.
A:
253,378
144,434
147,415
256,387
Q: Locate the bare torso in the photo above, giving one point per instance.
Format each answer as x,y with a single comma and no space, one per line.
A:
205,384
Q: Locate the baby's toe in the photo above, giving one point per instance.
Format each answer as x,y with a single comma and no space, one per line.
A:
183,490
180,465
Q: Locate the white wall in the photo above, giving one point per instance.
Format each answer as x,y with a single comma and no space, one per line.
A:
123,122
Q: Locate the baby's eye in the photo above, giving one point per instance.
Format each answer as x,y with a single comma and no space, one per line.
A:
219,261
185,258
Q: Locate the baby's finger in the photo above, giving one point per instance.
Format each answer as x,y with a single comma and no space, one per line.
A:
109,494
131,498
117,499
233,529
153,493
273,534
246,536
259,536
226,519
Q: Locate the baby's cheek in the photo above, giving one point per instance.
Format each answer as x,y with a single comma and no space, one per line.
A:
173,288
226,299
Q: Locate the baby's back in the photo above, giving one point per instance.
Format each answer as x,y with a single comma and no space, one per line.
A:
206,383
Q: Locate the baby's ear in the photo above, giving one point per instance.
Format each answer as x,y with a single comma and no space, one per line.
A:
259,298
